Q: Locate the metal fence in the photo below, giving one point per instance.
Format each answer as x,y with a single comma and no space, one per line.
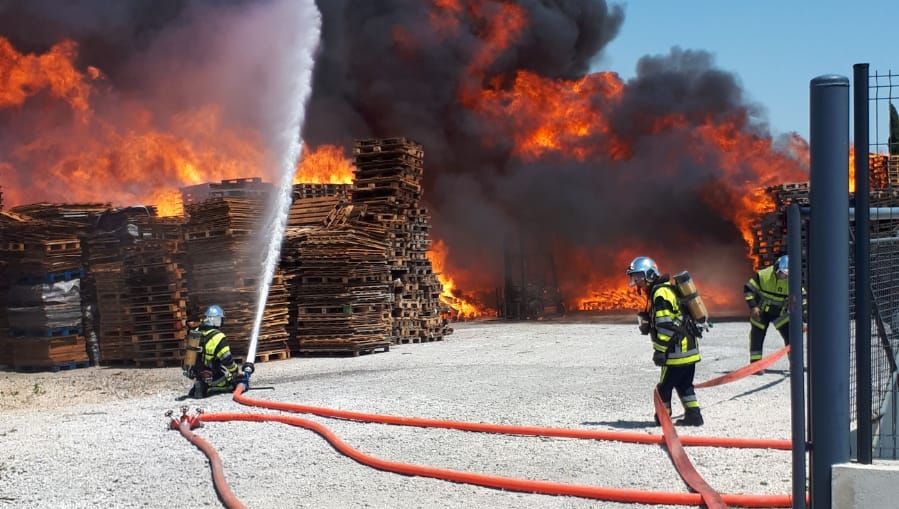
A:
883,260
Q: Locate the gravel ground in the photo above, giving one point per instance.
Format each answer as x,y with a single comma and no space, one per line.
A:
97,436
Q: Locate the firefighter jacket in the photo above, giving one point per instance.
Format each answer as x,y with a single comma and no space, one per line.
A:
767,292
217,357
668,326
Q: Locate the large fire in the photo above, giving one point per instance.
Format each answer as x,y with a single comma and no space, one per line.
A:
22,76
118,150
462,307
559,117
124,157
326,164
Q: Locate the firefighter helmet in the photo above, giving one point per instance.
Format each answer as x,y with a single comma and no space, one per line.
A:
214,316
782,267
643,271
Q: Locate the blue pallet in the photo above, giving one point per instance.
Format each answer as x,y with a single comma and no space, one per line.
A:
45,333
51,277
63,366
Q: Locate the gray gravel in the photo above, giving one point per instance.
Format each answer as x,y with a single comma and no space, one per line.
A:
97,436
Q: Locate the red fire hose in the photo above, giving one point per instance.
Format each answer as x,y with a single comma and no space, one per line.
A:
745,371
508,429
682,463
705,496
185,424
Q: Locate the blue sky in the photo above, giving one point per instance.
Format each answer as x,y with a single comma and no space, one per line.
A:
774,47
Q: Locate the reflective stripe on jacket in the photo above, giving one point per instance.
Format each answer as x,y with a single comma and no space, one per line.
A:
217,353
669,333
767,292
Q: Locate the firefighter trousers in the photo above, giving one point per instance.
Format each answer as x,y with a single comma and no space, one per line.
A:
679,378
758,330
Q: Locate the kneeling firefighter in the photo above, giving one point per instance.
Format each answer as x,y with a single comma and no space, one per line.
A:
208,359
673,318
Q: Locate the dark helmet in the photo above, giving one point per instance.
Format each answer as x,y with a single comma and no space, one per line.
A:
782,267
214,316
643,271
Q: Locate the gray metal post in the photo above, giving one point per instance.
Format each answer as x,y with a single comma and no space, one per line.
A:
862,266
828,282
797,352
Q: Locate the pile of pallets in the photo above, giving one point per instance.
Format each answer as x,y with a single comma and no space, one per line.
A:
41,263
305,191
312,203
134,264
224,256
154,278
884,171
770,231
107,315
340,288
387,191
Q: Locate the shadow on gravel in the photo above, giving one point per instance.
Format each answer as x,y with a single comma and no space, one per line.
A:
621,424
768,385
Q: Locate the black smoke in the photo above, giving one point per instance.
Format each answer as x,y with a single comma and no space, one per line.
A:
383,70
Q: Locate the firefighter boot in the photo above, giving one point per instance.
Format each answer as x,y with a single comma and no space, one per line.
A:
692,417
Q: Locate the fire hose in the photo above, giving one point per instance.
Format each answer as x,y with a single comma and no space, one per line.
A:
705,496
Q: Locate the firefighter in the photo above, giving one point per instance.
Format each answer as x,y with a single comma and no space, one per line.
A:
675,343
215,369
766,295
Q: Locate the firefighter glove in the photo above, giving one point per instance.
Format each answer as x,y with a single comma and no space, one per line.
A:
659,358
643,321
755,314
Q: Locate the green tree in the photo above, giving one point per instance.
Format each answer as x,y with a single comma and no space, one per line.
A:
893,142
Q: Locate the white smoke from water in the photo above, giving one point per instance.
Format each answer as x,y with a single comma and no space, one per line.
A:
302,40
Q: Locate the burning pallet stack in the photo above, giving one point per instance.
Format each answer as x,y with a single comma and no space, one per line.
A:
770,231
387,191
224,264
42,280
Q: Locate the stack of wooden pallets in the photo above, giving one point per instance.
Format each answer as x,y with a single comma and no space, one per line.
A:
770,231
42,327
387,191
312,203
154,277
224,262
340,288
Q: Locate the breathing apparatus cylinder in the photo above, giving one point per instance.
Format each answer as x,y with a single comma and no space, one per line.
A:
191,352
690,297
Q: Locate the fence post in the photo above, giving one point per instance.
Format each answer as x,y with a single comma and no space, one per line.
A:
797,353
828,282
862,266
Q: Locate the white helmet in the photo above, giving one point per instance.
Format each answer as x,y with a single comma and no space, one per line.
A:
643,271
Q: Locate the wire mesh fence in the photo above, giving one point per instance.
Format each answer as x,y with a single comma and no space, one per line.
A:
883,155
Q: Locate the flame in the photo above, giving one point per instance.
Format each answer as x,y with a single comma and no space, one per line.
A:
547,116
325,164
124,157
611,297
22,76
438,255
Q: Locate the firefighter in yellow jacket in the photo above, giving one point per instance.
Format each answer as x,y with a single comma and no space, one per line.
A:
675,344
767,293
215,369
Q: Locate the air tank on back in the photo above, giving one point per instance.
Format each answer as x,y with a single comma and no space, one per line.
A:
690,297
